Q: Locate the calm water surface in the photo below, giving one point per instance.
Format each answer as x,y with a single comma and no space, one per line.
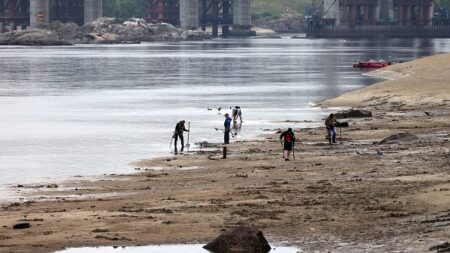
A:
90,110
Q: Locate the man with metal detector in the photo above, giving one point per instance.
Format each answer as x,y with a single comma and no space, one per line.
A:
227,129
178,133
289,144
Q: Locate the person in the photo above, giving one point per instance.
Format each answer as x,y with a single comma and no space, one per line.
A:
227,125
331,129
178,133
289,143
237,112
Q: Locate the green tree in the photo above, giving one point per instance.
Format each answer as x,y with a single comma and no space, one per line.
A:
125,8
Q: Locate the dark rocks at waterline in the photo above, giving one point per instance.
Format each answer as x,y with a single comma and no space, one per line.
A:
399,138
32,37
241,239
22,225
444,247
352,113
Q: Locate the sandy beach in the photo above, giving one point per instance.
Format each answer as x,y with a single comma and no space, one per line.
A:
359,195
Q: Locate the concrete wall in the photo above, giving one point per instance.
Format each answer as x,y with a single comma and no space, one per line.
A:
189,18
242,14
331,10
93,9
39,13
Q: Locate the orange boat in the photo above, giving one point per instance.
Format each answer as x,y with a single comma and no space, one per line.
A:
371,64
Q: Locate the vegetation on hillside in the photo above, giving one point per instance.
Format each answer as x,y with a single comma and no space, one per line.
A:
265,9
273,9
124,8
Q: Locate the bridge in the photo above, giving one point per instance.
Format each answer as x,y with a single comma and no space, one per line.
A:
189,14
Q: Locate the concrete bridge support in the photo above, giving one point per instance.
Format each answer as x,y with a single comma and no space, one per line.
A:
242,15
189,16
386,11
39,13
93,9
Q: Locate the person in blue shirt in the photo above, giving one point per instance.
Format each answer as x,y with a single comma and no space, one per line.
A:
227,125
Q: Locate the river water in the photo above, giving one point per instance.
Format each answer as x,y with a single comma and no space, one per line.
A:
93,109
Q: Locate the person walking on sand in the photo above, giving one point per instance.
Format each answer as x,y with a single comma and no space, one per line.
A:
331,129
227,126
178,133
289,143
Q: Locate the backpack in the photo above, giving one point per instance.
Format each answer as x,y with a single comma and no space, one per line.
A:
288,137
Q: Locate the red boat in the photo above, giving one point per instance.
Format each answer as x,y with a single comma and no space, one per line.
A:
371,64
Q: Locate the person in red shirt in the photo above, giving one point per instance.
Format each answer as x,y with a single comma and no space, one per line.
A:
289,142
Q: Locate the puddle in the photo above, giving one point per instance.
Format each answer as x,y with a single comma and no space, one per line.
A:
180,248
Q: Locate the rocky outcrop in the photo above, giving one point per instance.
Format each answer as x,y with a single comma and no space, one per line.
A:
287,23
136,29
241,239
32,37
352,113
101,31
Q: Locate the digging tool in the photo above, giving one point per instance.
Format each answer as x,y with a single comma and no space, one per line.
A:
171,141
189,131
293,150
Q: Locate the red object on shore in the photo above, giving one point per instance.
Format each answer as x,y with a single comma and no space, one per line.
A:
371,64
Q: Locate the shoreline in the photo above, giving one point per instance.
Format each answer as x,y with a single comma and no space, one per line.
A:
343,198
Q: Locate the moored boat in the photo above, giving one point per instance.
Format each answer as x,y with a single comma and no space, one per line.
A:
371,64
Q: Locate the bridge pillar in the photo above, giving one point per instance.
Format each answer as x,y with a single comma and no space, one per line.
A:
39,13
93,9
331,10
242,15
189,14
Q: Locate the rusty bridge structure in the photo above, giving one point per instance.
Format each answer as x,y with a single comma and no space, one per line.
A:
233,16
381,18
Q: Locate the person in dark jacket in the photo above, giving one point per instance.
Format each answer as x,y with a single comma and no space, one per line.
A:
178,133
331,129
227,126
289,142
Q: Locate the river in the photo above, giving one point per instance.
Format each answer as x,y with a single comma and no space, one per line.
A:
90,110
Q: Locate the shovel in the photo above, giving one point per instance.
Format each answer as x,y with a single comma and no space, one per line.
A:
189,131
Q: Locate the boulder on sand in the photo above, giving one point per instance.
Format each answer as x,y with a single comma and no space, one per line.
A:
352,113
242,239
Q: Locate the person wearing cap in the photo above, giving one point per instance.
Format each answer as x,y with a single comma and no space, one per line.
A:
227,125
289,142
178,133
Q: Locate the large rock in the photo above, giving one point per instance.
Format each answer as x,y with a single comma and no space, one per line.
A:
32,37
103,38
242,240
136,29
399,138
352,113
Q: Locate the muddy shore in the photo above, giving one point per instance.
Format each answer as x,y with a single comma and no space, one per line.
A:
355,196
